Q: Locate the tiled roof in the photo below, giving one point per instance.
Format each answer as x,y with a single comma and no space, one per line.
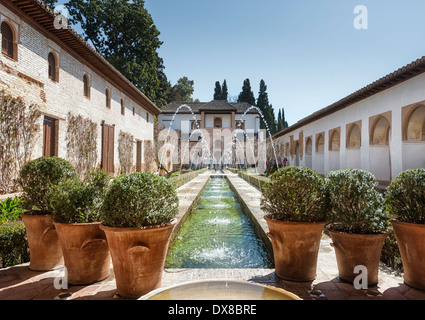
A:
405,73
214,105
44,17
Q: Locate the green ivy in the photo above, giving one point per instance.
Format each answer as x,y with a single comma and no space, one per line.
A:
356,205
405,196
141,199
294,194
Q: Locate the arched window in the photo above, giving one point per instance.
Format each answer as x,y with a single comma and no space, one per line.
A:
380,134
86,81
108,98
415,128
320,144
308,147
354,137
217,123
8,45
53,67
122,107
334,141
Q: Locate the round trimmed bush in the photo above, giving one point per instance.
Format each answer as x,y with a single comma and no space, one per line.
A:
405,197
140,199
79,201
356,206
294,194
37,178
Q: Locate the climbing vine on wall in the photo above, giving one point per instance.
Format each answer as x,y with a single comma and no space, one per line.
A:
149,156
82,143
19,125
125,152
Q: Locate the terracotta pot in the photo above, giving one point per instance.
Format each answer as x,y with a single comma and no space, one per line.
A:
85,250
411,242
138,257
295,248
45,249
353,250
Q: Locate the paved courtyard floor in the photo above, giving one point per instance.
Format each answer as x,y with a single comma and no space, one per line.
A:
20,283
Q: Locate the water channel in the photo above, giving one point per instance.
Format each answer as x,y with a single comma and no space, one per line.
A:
218,234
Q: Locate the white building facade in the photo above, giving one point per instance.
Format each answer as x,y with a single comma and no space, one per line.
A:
228,131
57,70
380,128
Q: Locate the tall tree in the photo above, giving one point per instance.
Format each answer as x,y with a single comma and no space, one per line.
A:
280,125
263,104
50,3
183,90
217,91
285,123
224,91
247,95
124,33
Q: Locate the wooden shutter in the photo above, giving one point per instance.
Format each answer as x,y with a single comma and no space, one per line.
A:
7,44
108,148
50,137
139,156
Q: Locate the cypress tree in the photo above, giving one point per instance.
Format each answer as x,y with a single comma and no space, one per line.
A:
217,91
224,91
247,95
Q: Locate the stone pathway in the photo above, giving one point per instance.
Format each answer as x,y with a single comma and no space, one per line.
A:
20,283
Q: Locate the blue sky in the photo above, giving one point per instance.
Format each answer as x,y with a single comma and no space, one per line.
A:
307,51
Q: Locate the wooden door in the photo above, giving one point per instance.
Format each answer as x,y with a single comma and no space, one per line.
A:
139,156
108,148
49,137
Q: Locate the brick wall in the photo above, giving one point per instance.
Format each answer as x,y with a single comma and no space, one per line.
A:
28,77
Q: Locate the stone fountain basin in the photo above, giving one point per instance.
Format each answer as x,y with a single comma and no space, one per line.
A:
220,290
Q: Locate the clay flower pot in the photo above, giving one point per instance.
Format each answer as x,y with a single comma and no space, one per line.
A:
45,249
138,257
85,250
353,250
410,238
295,248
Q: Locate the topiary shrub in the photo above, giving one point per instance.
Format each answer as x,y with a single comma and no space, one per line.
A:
37,178
294,194
405,197
13,244
141,199
356,205
79,201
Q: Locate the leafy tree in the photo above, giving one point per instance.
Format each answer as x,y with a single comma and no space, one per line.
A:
217,91
51,3
124,33
183,90
247,95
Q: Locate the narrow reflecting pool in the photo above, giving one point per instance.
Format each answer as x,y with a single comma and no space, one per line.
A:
218,234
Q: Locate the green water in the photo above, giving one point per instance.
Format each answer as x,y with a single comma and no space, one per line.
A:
218,234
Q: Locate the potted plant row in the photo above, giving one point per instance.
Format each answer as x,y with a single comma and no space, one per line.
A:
299,203
37,178
75,208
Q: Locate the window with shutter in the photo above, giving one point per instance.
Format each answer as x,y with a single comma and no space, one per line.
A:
86,82
53,70
7,43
